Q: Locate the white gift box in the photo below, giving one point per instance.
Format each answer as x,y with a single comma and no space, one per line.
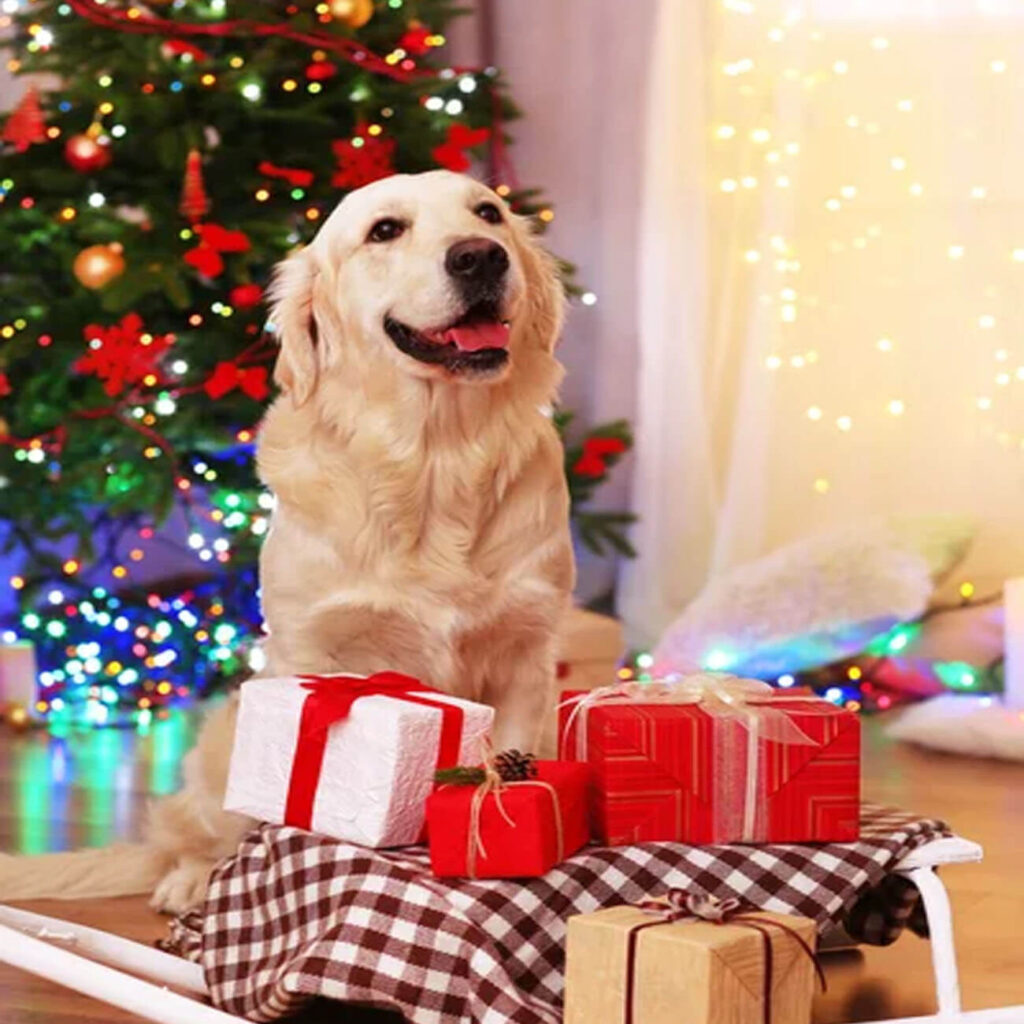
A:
378,764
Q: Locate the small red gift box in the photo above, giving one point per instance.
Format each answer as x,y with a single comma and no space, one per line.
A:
715,761
523,828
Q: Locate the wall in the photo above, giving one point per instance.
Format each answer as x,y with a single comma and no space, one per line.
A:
578,72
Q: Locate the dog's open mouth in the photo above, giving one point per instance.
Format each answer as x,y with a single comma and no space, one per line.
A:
476,342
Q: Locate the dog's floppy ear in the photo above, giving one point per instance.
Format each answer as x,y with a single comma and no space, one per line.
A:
545,295
294,321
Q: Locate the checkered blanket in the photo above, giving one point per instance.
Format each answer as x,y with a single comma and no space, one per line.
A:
293,916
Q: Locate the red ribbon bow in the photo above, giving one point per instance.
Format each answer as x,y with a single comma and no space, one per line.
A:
452,152
226,376
330,700
298,177
596,451
680,905
182,48
214,240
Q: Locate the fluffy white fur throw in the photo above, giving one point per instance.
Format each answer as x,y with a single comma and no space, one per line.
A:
963,724
814,601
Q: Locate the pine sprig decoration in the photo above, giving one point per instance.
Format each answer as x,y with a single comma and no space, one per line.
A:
511,765
461,775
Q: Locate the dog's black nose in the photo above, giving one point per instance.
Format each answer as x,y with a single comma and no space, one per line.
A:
477,260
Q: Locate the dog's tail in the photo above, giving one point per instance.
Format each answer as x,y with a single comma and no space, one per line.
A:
122,870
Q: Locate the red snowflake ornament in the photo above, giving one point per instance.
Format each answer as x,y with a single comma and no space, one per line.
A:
123,353
363,158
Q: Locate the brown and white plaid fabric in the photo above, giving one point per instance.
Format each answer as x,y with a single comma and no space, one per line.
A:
293,916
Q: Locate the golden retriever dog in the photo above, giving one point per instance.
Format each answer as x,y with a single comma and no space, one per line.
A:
421,519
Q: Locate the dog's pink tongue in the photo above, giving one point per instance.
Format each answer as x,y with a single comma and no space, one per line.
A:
473,337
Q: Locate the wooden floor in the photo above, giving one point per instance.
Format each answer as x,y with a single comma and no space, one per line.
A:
90,788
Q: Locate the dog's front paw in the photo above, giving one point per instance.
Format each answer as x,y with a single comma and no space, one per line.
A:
183,887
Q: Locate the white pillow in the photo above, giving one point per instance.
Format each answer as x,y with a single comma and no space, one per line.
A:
814,601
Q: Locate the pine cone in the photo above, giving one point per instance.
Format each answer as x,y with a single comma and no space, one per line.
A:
513,766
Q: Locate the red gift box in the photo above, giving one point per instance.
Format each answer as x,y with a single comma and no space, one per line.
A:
538,823
769,767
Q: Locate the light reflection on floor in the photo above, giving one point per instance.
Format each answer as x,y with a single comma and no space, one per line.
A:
88,788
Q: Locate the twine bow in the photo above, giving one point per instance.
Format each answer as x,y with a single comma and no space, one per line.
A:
494,785
680,905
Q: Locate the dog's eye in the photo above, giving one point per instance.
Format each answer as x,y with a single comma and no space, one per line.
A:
386,229
489,212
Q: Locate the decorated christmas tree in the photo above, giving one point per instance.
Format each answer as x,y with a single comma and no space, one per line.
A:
163,157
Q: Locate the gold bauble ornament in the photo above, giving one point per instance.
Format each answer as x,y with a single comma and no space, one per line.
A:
98,265
5,428
355,13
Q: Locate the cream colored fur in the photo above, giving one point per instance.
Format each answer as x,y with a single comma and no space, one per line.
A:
421,521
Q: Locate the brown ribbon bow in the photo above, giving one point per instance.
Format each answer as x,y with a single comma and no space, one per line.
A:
680,905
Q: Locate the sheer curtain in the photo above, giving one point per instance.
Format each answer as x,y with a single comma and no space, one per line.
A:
832,258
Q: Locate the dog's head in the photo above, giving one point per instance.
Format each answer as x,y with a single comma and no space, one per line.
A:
428,275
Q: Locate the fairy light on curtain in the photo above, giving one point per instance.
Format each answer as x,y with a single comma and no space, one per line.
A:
859,344
868,186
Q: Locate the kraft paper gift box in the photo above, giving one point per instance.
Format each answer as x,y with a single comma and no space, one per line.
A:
686,972
710,759
346,756
538,824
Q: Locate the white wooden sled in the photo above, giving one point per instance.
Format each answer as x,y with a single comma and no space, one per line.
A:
920,867
163,988
107,968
